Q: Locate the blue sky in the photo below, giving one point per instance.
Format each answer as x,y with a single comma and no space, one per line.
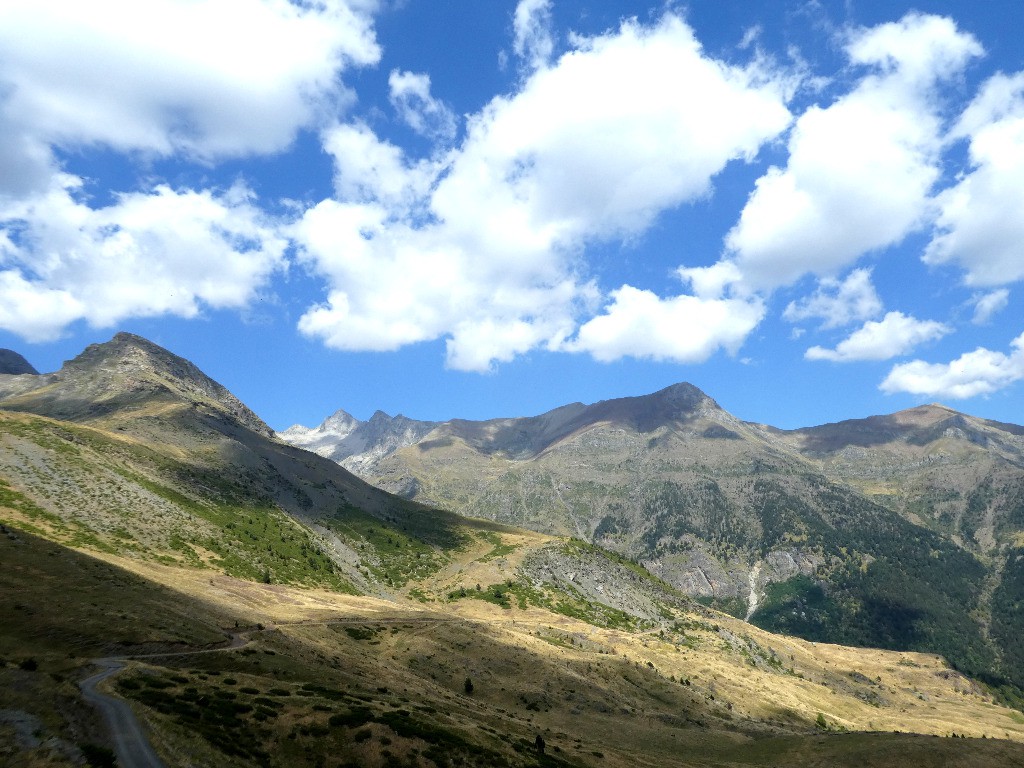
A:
812,210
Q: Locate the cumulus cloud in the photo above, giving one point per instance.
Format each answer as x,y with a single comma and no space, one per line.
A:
980,372
837,303
482,247
683,329
711,282
861,169
979,225
534,42
368,169
199,80
395,284
149,253
410,96
117,73
895,334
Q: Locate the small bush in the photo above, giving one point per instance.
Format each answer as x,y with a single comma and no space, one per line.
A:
355,717
98,757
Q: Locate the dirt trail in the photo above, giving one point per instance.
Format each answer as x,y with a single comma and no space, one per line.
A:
131,746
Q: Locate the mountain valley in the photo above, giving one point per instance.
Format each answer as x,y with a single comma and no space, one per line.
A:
268,607
901,531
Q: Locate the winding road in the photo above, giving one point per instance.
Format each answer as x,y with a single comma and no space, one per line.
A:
131,746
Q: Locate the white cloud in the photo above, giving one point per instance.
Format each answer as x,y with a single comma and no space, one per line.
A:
895,334
199,80
410,96
980,372
33,310
979,224
919,48
623,127
395,284
207,78
164,252
368,169
711,282
988,304
837,303
861,169
534,42
683,329
482,248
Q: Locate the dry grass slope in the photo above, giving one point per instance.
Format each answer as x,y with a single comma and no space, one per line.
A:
333,679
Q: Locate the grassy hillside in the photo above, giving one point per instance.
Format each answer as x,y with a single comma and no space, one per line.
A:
330,679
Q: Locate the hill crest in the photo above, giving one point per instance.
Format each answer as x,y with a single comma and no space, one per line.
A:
14,364
126,372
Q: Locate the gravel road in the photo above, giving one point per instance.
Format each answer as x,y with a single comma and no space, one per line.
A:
131,746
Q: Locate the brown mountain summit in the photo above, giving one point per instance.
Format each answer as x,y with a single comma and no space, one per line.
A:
122,376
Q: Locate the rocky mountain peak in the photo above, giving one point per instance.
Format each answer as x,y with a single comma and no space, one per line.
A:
127,352
925,415
684,393
12,363
339,423
686,398
379,417
129,369
680,402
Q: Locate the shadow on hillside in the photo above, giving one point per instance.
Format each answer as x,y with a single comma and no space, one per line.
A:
883,430
59,601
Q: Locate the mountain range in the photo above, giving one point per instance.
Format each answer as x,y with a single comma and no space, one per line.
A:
902,530
258,604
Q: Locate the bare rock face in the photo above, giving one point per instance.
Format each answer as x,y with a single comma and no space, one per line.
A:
13,364
327,439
